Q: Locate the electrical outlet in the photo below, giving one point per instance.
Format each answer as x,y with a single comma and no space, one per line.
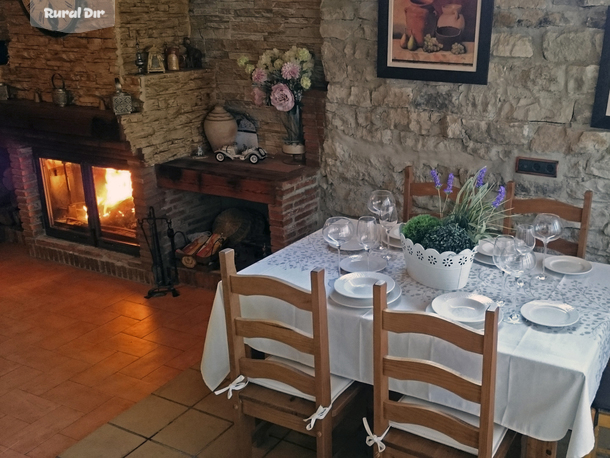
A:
543,167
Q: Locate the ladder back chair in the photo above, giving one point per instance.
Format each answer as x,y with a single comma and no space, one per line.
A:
568,212
276,390
413,189
414,428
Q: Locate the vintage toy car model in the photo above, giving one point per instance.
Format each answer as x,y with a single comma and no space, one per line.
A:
251,154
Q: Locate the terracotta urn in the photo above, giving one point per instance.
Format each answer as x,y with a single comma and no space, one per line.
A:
451,17
420,18
220,128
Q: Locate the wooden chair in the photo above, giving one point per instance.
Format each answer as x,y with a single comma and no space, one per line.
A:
413,189
568,212
449,433
280,391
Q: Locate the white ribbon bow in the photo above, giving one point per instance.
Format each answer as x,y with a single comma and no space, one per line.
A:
372,439
238,384
318,415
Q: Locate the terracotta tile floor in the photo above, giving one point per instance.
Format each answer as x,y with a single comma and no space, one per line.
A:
91,369
78,348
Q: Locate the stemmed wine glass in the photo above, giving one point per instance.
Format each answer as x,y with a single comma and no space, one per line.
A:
368,236
511,261
525,241
377,200
388,217
337,230
547,227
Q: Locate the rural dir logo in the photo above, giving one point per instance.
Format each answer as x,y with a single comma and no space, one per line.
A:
71,16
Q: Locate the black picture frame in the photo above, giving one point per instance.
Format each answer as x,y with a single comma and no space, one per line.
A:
600,117
394,61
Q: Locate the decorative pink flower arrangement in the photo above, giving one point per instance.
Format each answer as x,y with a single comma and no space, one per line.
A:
279,79
282,97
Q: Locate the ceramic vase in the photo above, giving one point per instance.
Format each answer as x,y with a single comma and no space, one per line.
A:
420,18
451,17
220,128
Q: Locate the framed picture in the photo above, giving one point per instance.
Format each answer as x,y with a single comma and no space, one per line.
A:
601,106
435,40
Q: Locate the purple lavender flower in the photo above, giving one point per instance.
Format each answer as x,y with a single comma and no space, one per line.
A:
501,195
437,180
480,177
449,187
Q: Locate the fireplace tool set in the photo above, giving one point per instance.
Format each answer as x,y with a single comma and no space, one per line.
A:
164,266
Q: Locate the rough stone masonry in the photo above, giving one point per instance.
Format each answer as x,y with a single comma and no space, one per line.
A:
543,71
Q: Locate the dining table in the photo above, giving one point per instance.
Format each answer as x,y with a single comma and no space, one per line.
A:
547,376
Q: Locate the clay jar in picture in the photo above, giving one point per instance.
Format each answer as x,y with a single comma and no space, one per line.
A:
452,17
420,19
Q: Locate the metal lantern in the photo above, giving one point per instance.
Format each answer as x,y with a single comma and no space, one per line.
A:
122,102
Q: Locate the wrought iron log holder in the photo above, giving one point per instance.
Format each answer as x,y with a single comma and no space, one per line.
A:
164,268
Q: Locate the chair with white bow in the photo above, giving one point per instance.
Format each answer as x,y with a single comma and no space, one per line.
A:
306,399
412,427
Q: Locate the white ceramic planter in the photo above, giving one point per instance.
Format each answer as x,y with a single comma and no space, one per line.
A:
448,271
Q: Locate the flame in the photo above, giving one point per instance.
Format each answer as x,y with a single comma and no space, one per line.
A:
117,189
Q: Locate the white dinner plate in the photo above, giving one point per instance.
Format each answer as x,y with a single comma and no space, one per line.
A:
394,243
550,313
359,285
484,259
350,245
462,306
568,265
395,232
486,247
393,297
480,325
358,263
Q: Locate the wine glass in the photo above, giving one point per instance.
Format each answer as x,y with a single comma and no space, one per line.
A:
547,227
504,245
337,230
525,242
388,217
377,200
368,236
512,262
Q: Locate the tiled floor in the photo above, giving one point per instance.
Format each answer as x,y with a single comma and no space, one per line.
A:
78,348
89,368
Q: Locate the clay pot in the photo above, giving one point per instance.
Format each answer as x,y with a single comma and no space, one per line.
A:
220,128
448,36
420,18
451,17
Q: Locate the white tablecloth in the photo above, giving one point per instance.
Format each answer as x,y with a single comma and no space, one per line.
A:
546,377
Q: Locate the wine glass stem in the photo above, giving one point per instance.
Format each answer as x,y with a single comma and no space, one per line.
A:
502,294
339,259
368,259
544,257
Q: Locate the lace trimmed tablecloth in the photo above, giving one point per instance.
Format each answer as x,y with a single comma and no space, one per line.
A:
546,377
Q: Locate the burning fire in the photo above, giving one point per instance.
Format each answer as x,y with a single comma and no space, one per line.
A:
116,190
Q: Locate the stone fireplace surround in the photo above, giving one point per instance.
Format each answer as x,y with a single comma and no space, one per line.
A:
290,194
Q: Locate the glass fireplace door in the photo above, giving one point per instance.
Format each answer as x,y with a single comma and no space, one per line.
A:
89,204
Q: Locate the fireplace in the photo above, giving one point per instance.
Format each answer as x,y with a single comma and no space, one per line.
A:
91,204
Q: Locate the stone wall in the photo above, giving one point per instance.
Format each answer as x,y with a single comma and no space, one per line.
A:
153,23
542,77
87,61
170,124
228,30
3,26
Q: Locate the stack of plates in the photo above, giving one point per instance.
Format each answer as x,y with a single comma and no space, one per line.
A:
356,289
485,252
395,237
463,307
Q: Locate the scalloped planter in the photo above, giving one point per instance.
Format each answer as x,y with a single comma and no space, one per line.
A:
447,271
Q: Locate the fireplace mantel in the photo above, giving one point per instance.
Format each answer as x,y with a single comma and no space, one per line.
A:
83,130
